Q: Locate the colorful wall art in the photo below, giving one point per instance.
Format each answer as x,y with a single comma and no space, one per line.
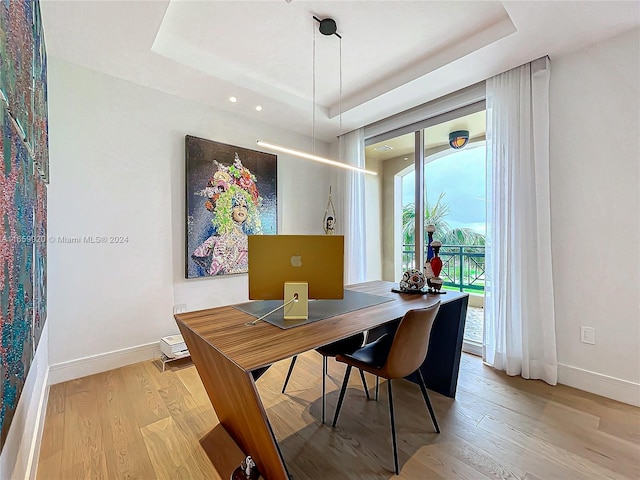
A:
24,172
231,193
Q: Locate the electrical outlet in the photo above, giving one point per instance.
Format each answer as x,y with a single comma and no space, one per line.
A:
588,335
181,308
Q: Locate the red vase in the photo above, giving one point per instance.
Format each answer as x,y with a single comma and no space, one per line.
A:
436,266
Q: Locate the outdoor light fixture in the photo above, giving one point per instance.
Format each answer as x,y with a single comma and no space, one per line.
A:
458,139
327,27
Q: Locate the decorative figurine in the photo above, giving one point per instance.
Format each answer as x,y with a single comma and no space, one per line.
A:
329,226
246,471
433,264
329,223
436,267
412,281
430,231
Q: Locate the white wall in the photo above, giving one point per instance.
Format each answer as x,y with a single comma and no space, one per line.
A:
117,169
595,183
21,448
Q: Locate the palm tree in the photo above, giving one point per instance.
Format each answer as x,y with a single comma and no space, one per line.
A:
435,215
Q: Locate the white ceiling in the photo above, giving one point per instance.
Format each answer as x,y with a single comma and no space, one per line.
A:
395,54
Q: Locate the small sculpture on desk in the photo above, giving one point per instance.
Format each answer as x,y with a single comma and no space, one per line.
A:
246,471
433,264
412,281
435,282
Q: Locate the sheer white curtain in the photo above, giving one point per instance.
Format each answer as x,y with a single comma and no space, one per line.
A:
352,151
519,332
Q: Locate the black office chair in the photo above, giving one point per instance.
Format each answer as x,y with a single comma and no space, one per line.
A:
393,357
345,346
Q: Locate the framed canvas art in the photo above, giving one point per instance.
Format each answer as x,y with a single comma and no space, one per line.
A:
17,343
23,199
231,193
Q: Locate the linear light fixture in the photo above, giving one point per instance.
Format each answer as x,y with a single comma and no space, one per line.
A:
315,158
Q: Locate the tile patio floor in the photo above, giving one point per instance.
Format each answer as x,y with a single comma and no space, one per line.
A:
474,324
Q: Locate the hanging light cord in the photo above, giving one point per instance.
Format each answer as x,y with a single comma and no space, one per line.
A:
340,103
313,117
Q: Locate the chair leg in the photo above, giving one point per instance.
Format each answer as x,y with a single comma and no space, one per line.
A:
293,362
342,392
393,429
324,376
423,387
364,385
377,385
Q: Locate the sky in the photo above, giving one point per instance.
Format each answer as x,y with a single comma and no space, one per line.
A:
461,175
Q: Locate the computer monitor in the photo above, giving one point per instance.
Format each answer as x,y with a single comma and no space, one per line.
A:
314,260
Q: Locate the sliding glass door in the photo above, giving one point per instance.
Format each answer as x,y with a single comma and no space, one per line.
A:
449,192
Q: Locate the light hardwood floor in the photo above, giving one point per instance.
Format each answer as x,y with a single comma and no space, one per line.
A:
138,422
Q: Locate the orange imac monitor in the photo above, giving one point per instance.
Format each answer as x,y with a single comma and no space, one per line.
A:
312,266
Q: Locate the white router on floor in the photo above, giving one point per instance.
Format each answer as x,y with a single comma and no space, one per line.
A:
173,346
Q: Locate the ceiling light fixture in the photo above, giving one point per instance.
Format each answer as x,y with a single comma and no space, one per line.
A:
258,108
458,139
327,26
233,99
315,158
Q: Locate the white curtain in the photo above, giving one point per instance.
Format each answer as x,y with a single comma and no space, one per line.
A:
352,151
519,333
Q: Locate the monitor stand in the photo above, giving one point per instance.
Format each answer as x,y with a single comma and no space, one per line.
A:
298,310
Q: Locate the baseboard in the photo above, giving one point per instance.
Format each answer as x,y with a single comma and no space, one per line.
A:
34,450
472,348
82,367
610,387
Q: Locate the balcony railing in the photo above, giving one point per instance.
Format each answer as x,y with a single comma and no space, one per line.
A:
462,265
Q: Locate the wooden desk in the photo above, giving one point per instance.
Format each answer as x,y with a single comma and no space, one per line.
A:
225,352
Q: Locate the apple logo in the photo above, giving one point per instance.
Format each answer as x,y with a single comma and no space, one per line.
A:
296,260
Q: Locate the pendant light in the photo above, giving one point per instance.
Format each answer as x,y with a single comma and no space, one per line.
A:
327,26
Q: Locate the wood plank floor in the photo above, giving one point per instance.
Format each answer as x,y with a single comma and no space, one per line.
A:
137,422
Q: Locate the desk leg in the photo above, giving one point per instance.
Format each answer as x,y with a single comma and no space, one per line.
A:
237,404
440,368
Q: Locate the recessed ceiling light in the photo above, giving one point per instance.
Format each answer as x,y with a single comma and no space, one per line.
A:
258,108
233,99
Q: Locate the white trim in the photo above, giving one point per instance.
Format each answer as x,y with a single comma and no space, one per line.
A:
407,121
81,367
34,450
472,348
610,387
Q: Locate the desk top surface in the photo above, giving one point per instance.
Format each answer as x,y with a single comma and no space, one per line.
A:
251,347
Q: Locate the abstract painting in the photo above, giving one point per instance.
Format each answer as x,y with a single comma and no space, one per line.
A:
24,171
17,184
39,137
16,67
231,193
